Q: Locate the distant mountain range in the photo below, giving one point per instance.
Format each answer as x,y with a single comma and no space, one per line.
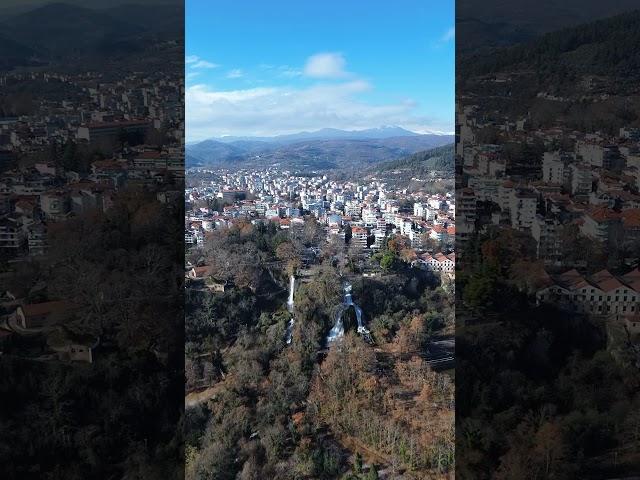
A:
327,134
323,149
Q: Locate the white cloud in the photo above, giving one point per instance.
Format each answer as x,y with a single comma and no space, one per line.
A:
286,71
235,73
449,35
266,111
204,64
280,110
194,61
289,72
325,65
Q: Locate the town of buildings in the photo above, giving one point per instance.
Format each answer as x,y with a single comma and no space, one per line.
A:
358,215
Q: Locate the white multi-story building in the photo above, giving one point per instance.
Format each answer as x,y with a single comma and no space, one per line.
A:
359,237
353,209
467,205
523,209
603,224
546,233
552,168
369,217
580,180
379,236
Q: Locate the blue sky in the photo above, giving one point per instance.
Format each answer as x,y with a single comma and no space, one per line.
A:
277,67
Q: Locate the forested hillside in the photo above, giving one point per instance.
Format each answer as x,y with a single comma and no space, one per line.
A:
259,406
609,47
437,159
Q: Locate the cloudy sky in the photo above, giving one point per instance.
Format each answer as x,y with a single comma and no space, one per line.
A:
269,68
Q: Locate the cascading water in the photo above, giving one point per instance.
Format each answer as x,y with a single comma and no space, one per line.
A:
338,328
292,285
289,334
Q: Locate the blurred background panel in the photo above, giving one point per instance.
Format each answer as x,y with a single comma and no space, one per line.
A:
91,239
547,298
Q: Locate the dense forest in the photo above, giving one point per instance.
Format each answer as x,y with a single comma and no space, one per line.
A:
258,407
606,47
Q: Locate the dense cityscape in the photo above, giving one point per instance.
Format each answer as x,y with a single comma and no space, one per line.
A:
359,215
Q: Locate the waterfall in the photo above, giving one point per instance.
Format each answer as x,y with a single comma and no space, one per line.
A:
289,335
338,328
359,317
292,285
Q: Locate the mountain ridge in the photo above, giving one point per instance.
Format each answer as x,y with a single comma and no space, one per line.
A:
324,134
317,153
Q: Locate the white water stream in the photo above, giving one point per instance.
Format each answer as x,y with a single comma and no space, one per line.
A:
292,286
337,331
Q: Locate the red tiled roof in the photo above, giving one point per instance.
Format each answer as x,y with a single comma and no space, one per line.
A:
201,272
606,281
602,214
631,218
